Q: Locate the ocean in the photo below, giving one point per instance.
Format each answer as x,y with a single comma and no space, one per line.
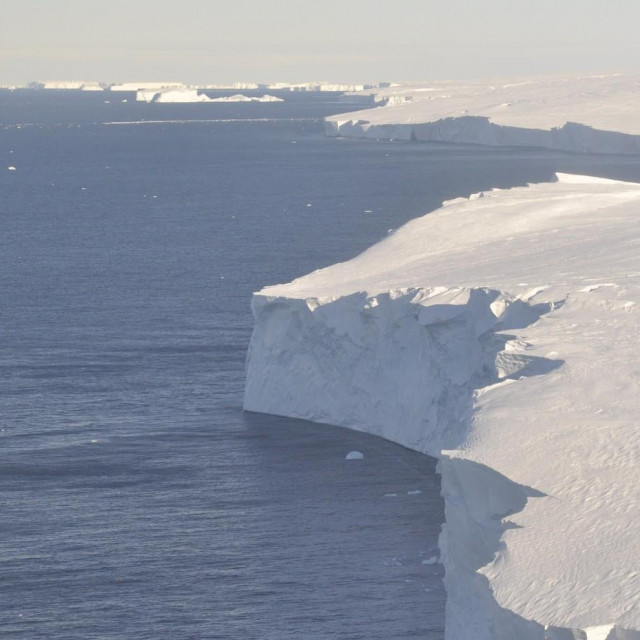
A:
138,499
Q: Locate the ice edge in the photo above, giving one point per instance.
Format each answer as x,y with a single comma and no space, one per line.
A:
363,362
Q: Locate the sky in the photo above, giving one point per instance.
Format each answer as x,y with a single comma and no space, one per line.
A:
354,41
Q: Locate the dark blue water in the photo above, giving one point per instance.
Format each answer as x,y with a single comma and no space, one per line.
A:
138,500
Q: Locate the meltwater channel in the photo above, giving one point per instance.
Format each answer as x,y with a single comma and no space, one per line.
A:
139,501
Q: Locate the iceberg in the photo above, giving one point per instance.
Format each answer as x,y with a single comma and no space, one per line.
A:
193,95
578,114
175,94
79,85
499,334
242,98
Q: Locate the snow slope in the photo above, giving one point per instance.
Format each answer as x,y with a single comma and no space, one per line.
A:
596,113
500,334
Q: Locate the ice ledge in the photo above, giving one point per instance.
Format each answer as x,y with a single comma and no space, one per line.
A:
572,136
526,389
597,114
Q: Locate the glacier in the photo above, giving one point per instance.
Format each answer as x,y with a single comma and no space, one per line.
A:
579,114
499,334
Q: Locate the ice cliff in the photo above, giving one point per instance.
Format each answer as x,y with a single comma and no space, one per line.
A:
499,334
580,114
193,95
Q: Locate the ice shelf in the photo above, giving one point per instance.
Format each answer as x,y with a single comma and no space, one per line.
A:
499,334
580,114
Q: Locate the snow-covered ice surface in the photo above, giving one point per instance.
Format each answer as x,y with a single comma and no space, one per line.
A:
239,97
500,334
183,95
177,94
594,113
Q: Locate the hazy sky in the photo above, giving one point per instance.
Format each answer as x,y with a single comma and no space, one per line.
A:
214,41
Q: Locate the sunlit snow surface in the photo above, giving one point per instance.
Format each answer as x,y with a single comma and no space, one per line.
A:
183,95
503,329
584,114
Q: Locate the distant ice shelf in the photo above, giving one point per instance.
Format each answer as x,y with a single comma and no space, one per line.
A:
80,85
500,334
580,114
238,97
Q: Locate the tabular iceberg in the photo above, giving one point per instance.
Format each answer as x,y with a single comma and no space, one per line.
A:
499,334
184,95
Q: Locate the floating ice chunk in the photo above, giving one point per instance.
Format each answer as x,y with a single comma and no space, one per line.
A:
417,492
431,560
599,633
390,495
11,168
354,455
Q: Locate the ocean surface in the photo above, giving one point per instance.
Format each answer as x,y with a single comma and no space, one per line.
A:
138,500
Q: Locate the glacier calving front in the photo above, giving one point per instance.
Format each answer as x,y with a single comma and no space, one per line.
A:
500,334
581,114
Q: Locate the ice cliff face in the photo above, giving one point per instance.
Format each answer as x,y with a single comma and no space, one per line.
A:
183,94
499,334
580,114
571,136
402,364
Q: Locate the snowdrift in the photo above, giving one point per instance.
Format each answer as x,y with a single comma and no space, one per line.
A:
499,334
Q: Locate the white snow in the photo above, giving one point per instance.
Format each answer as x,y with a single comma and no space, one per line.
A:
354,455
176,94
316,86
293,87
183,94
593,113
499,334
242,98
72,84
